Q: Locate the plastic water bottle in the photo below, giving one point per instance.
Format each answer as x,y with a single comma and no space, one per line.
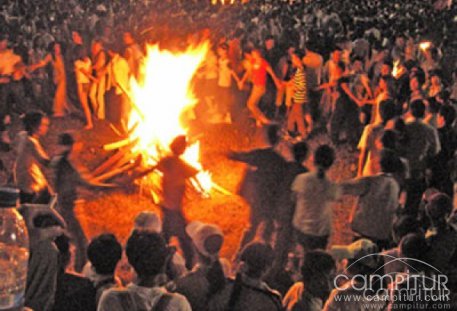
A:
14,252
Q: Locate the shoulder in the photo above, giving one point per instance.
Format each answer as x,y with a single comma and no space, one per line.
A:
115,299
177,302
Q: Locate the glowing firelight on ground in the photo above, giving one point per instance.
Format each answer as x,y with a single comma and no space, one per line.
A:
164,104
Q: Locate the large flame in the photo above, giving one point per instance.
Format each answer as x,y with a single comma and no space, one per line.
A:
163,104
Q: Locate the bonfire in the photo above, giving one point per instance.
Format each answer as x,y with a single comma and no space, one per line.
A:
162,108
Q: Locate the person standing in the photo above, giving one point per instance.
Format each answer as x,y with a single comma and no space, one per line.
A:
224,82
119,74
66,181
82,68
148,254
98,86
300,108
314,193
261,185
378,200
259,70
175,174
60,105
30,160
423,144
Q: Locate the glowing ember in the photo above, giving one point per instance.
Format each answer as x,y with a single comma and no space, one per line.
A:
164,102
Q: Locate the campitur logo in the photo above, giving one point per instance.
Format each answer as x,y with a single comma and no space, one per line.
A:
413,287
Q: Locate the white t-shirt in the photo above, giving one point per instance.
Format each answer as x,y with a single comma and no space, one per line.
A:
378,200
136,297
313,212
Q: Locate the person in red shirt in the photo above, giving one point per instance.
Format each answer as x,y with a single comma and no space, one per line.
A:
259,68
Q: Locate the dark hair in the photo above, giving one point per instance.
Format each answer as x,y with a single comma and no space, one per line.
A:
80,52
66,139
179,145
316,262
418,109
389,140
32,121
404,225
147,253
300,151
387,110
258,258
449,114
390,162
104,252
273,134
324,156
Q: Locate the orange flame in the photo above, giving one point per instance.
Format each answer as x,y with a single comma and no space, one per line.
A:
164,104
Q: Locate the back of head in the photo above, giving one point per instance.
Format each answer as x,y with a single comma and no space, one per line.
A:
418,109
179,145
147,253
387,110
413,246
390,162
104,252
403,226
324,156
66,139
389,140
300,151
317,263
258,257
439,207
32,121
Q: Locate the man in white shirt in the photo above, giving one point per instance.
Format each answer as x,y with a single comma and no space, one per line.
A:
378,195
422,145
119,75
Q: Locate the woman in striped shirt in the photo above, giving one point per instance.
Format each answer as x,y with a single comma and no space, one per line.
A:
299,110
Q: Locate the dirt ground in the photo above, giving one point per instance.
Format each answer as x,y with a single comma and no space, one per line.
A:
114,210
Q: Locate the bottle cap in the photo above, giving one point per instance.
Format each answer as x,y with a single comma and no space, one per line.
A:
9,197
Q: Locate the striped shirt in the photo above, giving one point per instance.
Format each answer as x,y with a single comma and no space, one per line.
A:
300,86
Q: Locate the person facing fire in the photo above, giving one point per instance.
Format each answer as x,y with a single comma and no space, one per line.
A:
176,172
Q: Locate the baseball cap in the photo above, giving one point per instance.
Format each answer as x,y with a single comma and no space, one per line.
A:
355,251
148,221
207,238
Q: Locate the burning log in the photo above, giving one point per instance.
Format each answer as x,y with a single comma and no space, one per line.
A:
120,157
118,171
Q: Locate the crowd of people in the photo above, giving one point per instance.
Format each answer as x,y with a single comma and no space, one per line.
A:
379,80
